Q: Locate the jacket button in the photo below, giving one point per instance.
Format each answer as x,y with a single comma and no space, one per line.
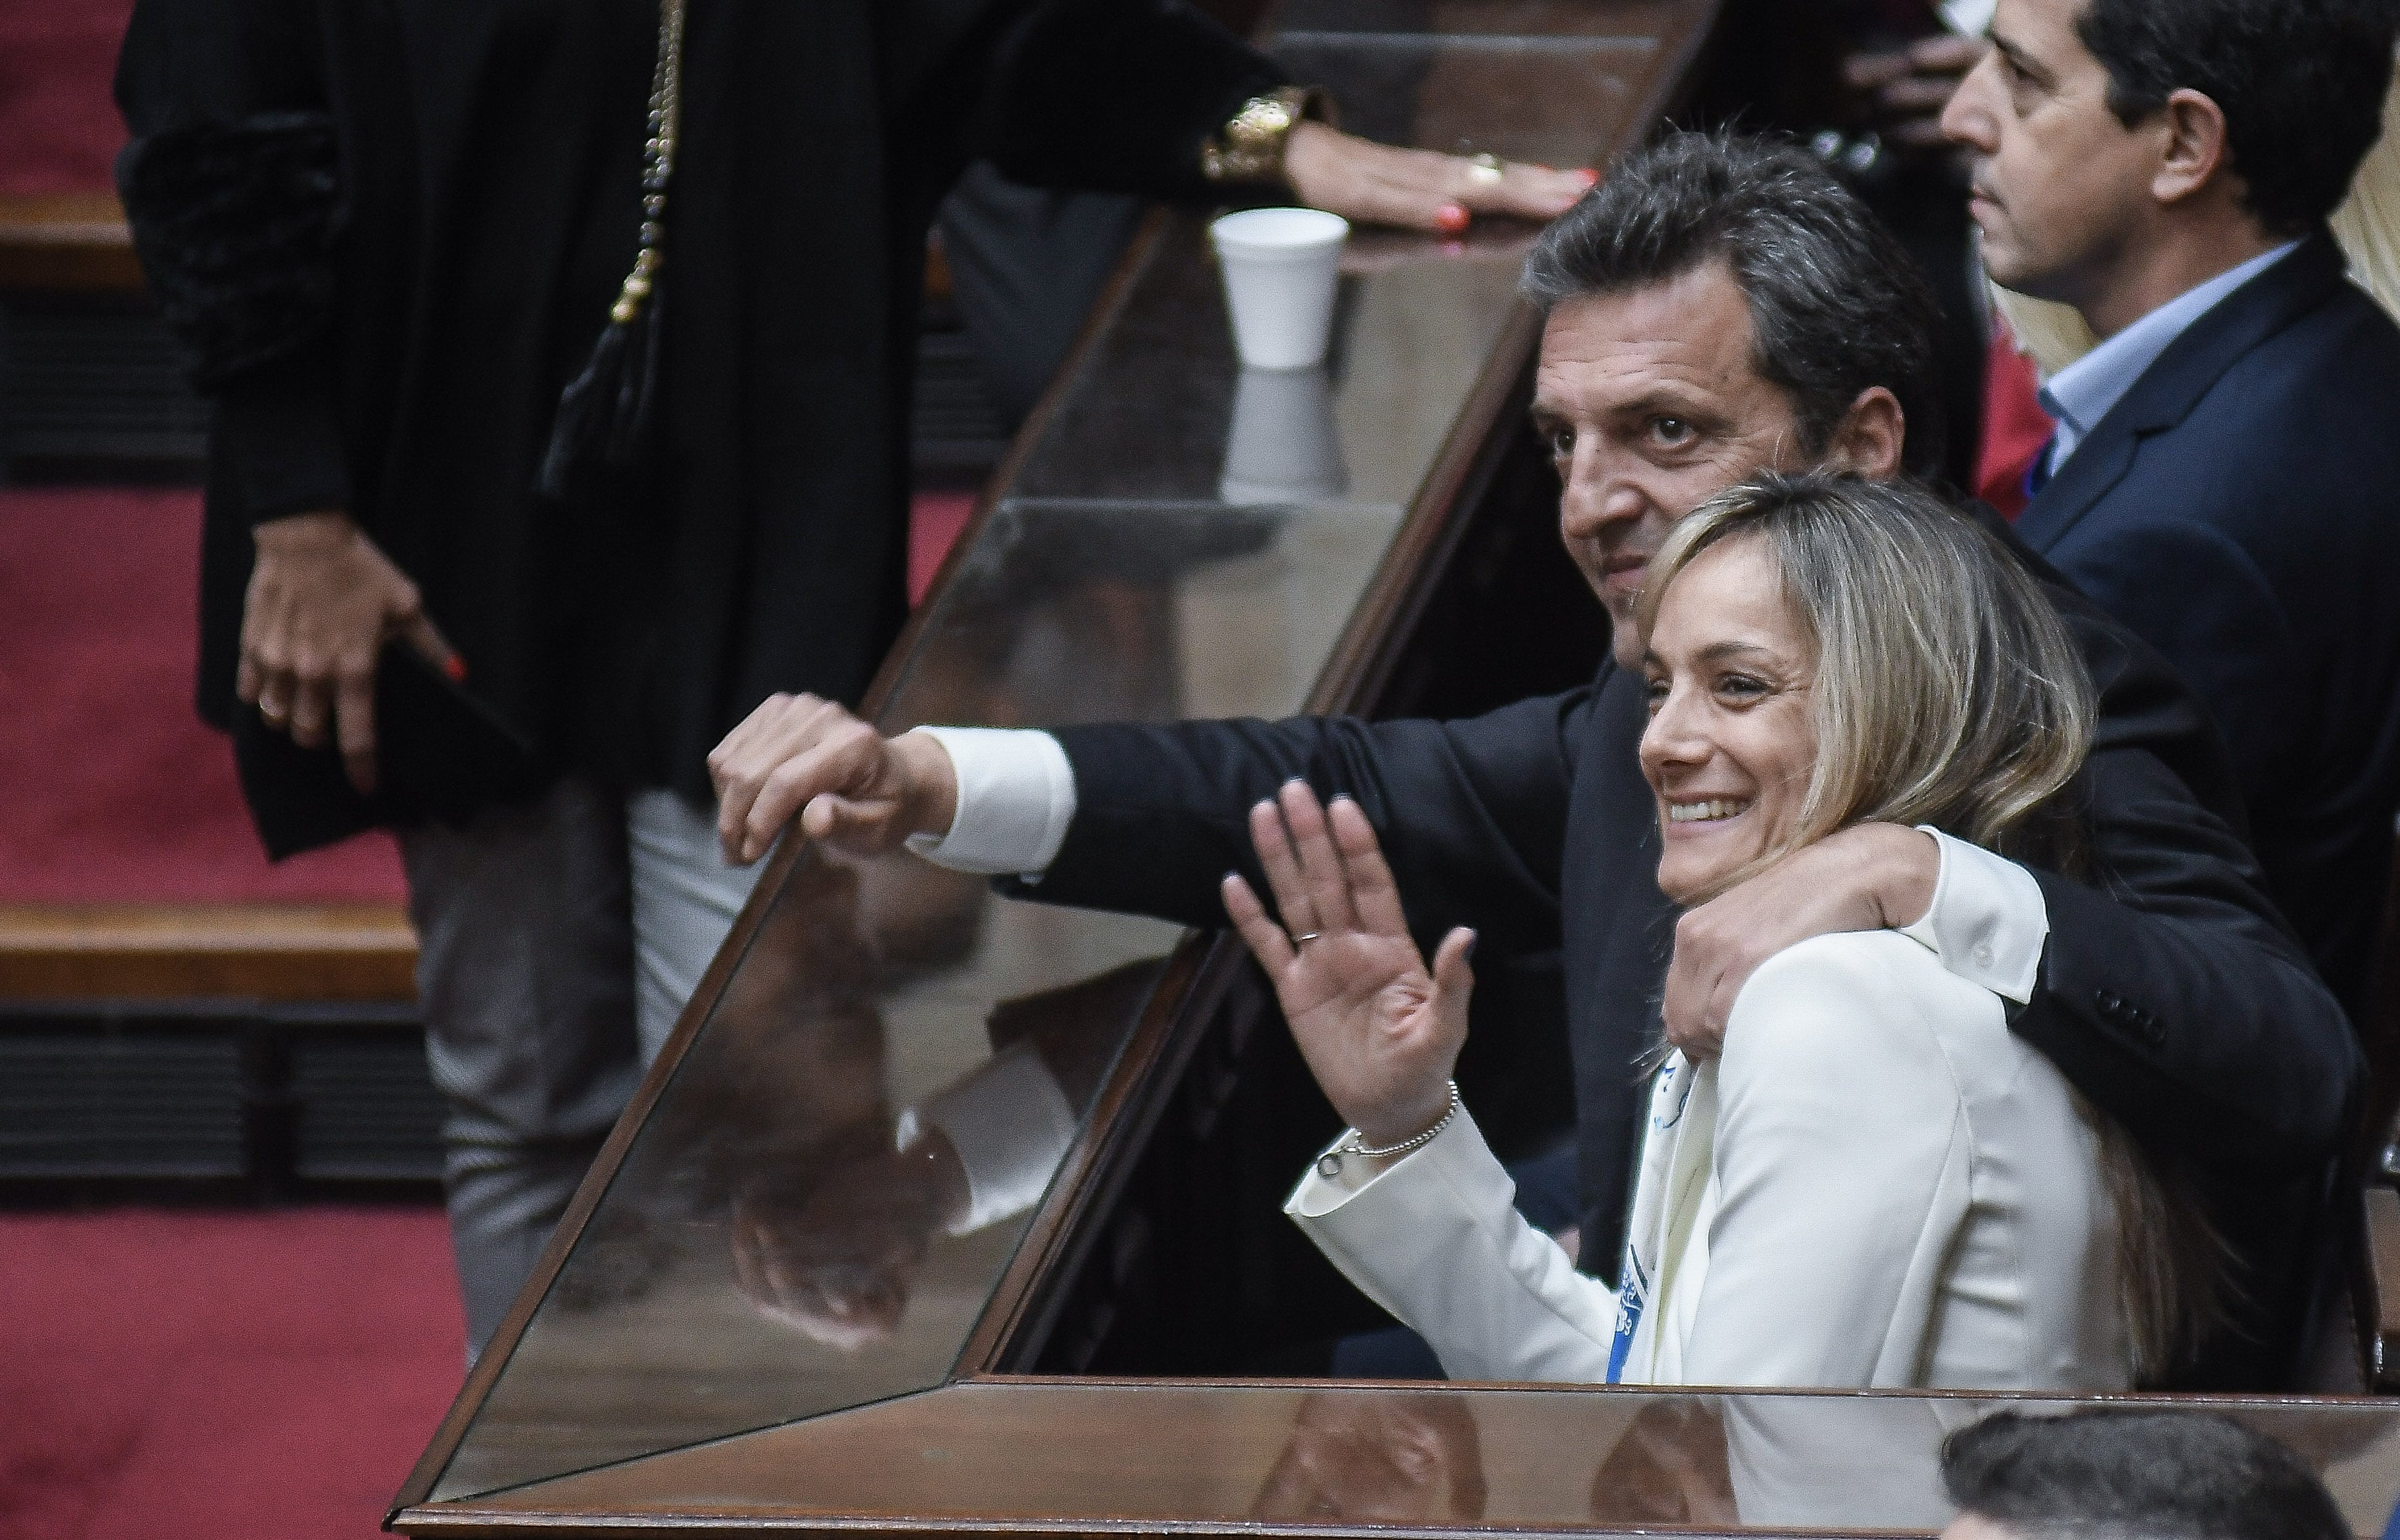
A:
1983,957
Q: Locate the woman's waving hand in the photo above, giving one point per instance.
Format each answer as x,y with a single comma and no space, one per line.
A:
1379,1031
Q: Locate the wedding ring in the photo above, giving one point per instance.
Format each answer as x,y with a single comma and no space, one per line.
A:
1485,170
1306,936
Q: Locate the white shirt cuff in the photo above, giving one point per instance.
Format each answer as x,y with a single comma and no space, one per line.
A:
1011,1125
1319,1193
1016,795
1988,921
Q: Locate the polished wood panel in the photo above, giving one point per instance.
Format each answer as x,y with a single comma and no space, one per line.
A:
1328,1459
241,952
67,243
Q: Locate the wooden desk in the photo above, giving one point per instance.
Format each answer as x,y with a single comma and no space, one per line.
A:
1099,1457
760,1316
206,952
67,243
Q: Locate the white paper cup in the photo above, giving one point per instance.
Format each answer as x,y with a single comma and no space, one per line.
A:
1284,446
1279,268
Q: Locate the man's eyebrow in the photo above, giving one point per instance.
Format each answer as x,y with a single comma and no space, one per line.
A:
2021,60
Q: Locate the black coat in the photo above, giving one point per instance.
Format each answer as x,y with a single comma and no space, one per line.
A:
392,232
2239,508
2181,1004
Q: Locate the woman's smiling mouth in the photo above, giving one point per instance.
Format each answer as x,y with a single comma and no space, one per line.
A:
1714,811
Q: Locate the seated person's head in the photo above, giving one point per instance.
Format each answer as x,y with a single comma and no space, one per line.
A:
2120,1474
2106,131
1822,650
1720,306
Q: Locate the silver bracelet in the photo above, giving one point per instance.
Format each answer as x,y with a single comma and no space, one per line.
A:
1329,1164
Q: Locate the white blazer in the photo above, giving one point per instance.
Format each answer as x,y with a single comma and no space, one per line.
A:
1877,1184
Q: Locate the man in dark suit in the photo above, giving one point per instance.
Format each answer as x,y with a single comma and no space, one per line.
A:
2225,475
1719,306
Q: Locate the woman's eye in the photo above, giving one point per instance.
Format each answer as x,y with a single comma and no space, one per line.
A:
1653,694
1740,687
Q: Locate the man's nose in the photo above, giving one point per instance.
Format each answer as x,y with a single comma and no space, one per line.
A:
1967,118
1594,501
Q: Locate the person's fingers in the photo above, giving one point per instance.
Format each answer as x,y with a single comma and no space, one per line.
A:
1946,53
794,785
426,640
1705,973
845,823
1718,1010
1867,72
1320,866
354,723
1272,841
757,1267
1918,94
312,709
1375,897
1681,1001
775,764
266,658
1451,973
1260,933
273,698
731,768
1409,203
734,801
1531,192
1923,133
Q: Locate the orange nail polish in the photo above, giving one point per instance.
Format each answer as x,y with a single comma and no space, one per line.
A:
1451,219
1590,178
455,667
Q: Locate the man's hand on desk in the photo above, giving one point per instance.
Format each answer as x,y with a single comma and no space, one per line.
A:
1371,184
1871,876
853,788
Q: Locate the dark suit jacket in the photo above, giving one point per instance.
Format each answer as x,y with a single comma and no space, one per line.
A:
2239,510
2178,1002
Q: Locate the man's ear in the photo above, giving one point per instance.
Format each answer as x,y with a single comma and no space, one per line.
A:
1871,437
2194,147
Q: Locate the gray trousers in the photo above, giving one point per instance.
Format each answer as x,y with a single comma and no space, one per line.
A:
558,941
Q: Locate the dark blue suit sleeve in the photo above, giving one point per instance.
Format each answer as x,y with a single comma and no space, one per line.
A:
2173,999
2192,593
1471,813
2172,992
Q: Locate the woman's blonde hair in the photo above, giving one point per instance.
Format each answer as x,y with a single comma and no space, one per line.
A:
1948,692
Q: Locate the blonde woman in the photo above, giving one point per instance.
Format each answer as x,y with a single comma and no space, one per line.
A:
1876,1183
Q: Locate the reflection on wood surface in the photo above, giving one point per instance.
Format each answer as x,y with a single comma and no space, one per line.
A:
1291,1459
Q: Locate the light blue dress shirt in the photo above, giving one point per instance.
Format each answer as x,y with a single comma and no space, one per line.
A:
2081,394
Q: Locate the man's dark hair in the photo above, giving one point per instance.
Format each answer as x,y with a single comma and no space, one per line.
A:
2121,1474
2300,82
1835,304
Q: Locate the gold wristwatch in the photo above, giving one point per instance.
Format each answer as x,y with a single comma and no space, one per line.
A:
1249,147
